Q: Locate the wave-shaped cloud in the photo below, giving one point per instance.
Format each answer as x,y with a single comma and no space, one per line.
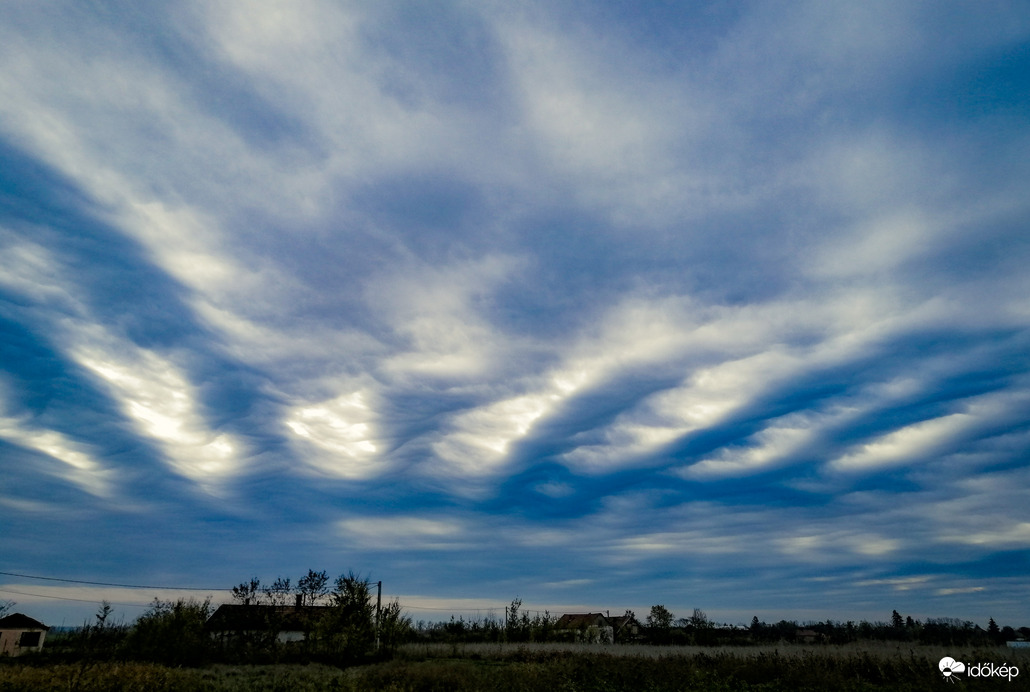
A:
683,297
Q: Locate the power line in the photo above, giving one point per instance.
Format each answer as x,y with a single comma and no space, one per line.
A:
66,598
124,586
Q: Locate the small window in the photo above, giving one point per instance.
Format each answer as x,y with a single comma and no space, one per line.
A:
29,639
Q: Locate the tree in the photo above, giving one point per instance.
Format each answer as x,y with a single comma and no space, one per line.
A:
172,633
347,631
313,587
897,622
278,594
699,620
247,592
394,628
5,607
994,632
511,624
660,618
659,622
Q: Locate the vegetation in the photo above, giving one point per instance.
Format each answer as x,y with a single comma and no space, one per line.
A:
348,643
613,668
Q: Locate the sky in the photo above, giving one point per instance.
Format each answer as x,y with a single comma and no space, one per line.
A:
598,304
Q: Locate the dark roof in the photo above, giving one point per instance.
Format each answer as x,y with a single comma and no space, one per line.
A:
17,621
620,621
240,618
575,621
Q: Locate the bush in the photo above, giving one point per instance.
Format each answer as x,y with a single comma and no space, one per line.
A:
172,633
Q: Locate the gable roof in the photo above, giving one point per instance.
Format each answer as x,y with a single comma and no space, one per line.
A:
575,621
18,621
233,617
621,621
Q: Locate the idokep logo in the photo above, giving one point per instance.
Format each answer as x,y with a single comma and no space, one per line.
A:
950,668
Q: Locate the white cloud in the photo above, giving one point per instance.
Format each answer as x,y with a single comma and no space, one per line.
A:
159,398
1012,535
405,533
435,310
775,443
916,442
338,436
79,464
603,125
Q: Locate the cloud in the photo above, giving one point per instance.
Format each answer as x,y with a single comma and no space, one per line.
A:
700,298
79,464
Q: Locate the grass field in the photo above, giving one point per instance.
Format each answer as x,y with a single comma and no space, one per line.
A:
419,667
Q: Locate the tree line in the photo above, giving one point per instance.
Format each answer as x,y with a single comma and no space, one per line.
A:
339,622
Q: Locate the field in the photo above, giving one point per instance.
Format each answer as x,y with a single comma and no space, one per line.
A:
422,667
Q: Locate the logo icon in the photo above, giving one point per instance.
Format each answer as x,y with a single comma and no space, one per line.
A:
950,667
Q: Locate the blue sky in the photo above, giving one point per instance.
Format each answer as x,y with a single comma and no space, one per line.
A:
599,304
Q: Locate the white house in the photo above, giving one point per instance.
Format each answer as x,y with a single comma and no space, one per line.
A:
20,634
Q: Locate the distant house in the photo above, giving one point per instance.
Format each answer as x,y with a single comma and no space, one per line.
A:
593,628
290,623
20,634
809,637
625,628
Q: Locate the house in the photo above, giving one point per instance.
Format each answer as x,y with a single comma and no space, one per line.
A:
809,637
290,623
626,628
593,628
20,634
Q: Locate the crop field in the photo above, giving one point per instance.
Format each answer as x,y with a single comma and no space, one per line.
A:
421,667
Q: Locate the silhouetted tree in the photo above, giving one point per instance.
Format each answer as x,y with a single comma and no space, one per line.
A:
247,592
701,628
347,631
897,622
513,628
660,617
278,594
659,624
394,628
172,633
313,587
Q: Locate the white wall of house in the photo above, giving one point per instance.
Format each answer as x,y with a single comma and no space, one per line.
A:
21,641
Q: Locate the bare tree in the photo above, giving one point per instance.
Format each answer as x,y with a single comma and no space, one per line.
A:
313,587
278,594
5,607
247,592
699,620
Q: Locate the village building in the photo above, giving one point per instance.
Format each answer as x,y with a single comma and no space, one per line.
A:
626,628
20,634
805,636
290,623
592,628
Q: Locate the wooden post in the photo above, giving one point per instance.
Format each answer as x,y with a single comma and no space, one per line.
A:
379,605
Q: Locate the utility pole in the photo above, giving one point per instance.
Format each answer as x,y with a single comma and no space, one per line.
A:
379,606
